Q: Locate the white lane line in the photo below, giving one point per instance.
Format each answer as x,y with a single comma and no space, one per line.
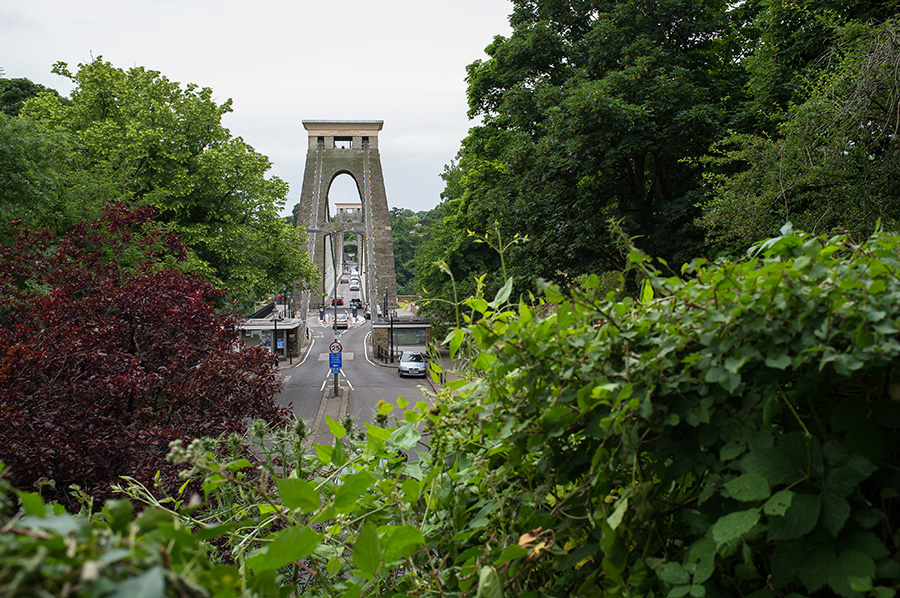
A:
323,384
366,348
286,378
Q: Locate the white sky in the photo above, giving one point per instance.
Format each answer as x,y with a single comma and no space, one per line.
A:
283,61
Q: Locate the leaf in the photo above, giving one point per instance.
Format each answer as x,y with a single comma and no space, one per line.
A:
847,565
779,503
290,544
673,573
734,525
367,552
33,503
402,542
835,511
149,584
337,430
618,513
778,360
298,494
489,584
456,338
351,488
324,452
748,487
502,294
510,553
338,455
646,291
799,520
239,464
119,513
845,479
816,562
405,437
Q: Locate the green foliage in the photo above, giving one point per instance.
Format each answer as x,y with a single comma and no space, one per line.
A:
43,183
14,93
735,435
589,111
163,144
408,231
732,434
45,551
834,161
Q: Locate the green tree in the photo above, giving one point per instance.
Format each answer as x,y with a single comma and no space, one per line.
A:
835,160
166,147
589,111
14,92
408,231
43,181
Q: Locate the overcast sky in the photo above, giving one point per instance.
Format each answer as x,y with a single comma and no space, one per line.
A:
285,61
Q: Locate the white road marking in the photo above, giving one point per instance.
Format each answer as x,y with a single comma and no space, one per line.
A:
286,378
366,348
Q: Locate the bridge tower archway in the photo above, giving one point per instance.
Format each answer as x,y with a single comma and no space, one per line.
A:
338,148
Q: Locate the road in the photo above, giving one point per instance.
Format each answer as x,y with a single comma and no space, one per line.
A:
368,382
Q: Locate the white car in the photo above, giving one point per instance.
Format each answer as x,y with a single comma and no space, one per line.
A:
412,363
342,321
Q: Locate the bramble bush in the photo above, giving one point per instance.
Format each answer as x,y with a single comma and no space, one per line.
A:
731,433
109,350
735,436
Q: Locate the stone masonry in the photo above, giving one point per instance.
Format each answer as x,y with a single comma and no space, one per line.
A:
348,147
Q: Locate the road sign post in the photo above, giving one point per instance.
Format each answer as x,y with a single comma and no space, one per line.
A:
334,360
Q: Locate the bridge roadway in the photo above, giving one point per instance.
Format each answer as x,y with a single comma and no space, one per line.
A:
364,381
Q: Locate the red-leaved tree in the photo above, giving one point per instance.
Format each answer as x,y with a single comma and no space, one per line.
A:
108,352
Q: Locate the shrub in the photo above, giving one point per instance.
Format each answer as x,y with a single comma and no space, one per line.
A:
108,352
736,436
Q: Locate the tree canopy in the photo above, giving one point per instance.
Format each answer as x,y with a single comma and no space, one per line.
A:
834,160
622,110
150,141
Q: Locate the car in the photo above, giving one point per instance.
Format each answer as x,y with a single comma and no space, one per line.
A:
412,363
343,279
342,321
354,286
339,300
356,302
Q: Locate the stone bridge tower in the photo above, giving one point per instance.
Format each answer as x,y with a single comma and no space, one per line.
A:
339,147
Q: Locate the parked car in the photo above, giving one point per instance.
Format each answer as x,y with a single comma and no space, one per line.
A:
342,321
412,363
340,300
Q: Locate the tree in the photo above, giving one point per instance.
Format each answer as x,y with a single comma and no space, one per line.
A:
14,92
589,111
166,147
108,352
43,183
835,160
408,231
